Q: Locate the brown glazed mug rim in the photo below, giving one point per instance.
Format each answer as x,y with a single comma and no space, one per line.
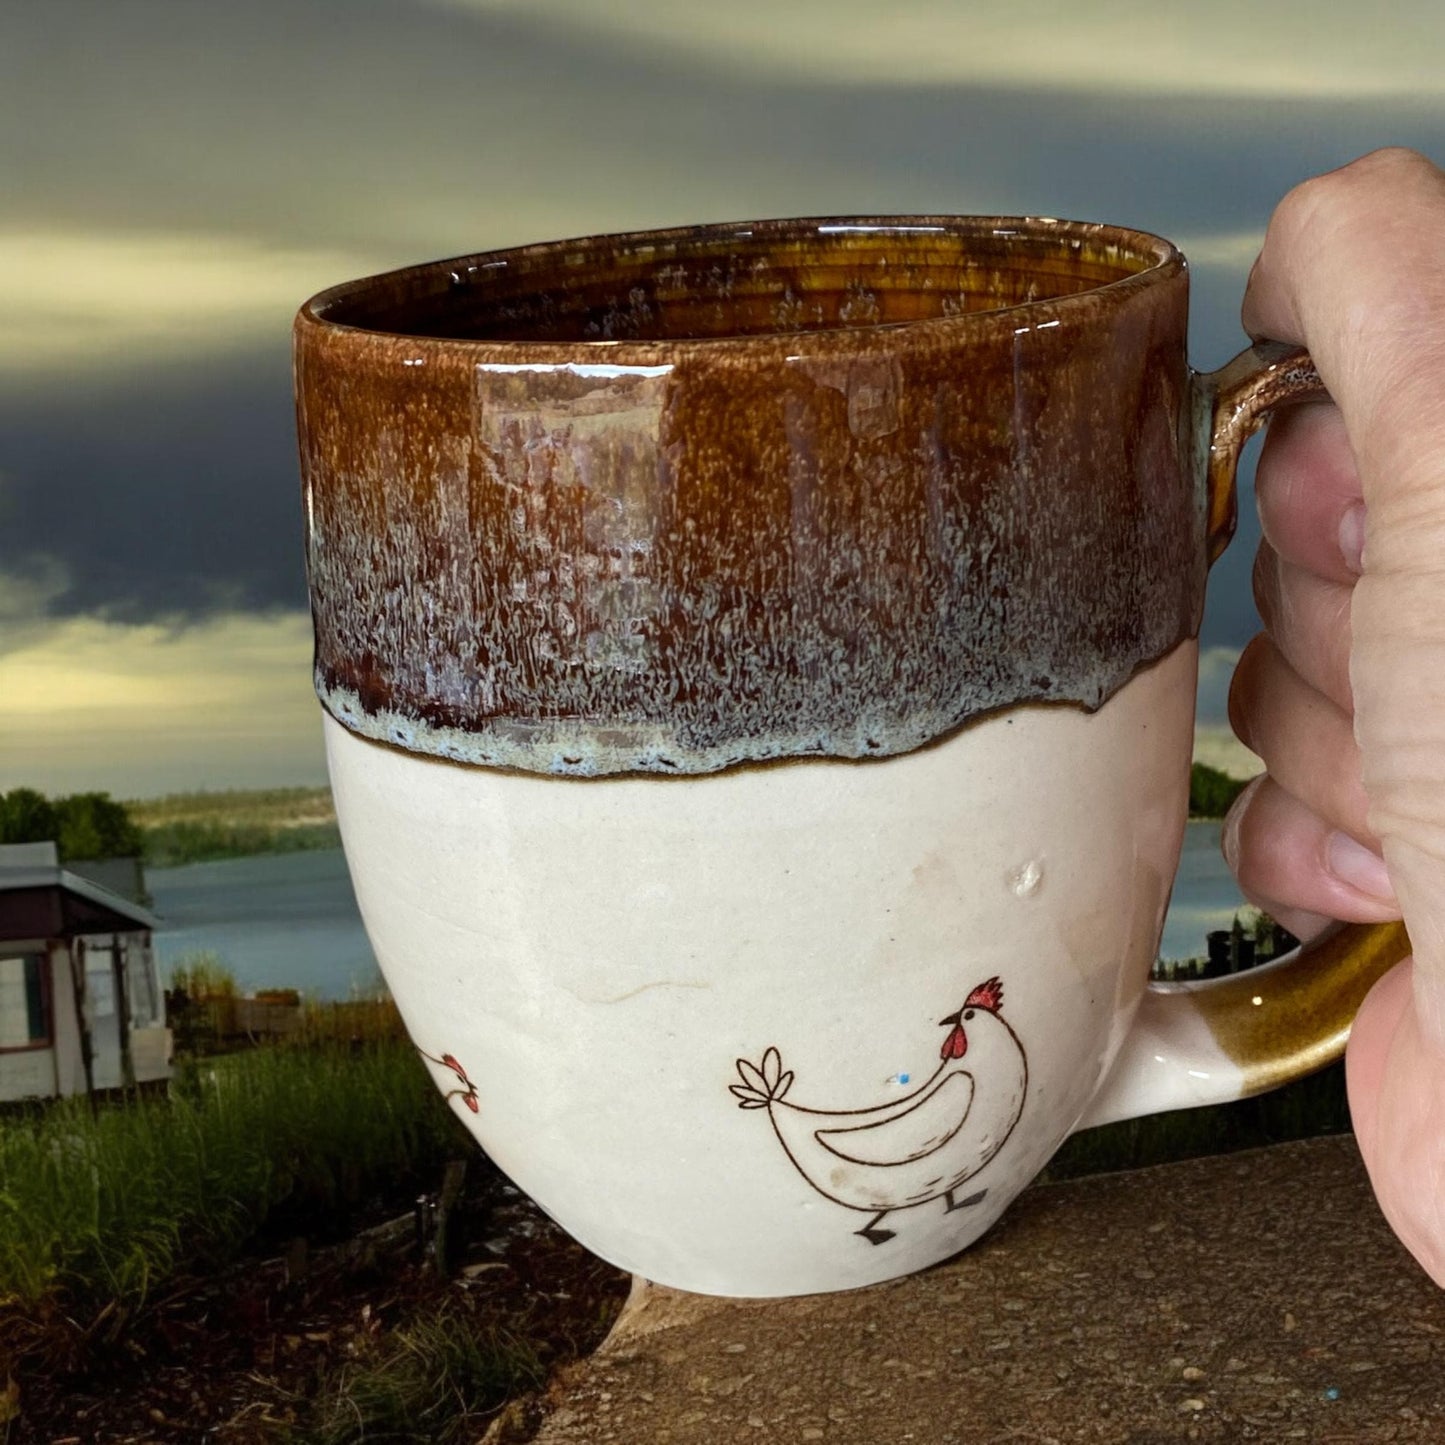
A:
870,593
1160,260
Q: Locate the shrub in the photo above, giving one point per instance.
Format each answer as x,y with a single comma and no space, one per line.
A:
82,825
1211,792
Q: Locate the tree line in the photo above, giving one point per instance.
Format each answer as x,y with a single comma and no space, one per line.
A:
1211,792
82,825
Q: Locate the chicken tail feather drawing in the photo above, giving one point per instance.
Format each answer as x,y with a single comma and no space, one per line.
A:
762,1084
916,1146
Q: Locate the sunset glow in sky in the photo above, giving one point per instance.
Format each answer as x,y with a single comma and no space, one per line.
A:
178,178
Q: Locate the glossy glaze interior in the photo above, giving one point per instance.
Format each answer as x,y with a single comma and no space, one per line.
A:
711,283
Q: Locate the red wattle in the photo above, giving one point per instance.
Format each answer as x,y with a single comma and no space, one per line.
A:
955,1046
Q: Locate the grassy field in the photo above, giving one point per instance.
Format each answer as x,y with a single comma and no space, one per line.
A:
99,1209
260,807
195,827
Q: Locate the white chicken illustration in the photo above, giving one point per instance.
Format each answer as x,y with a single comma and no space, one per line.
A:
921,1146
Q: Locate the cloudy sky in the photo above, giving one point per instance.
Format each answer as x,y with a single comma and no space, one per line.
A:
177,175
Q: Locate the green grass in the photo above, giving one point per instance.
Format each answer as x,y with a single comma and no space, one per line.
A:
436,1379
96,1210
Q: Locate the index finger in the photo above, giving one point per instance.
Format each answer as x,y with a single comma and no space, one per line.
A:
1353,267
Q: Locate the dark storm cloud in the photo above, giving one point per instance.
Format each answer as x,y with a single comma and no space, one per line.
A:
402,133
170,496
342,122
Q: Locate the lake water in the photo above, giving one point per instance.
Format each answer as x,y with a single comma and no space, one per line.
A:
290,920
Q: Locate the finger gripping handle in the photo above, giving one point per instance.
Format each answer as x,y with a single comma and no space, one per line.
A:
1228,1038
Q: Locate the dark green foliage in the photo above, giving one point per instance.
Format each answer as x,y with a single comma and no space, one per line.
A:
1301,1110
27,817
1211,792
94,825
82,825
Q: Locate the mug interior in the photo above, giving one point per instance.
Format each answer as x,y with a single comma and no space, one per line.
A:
755,279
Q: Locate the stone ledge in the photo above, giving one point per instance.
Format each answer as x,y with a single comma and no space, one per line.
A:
1247,1297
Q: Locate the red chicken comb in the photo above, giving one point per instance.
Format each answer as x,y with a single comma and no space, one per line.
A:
987,995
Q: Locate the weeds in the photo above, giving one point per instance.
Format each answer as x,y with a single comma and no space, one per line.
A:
435,1379
203,977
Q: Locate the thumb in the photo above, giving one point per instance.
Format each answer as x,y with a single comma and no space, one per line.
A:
1371,1035
1395,1078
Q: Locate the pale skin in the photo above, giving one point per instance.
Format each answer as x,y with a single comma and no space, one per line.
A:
1343,695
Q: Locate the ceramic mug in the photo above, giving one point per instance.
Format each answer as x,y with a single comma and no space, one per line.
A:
758,665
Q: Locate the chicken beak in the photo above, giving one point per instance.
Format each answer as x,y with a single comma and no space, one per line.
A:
951,1019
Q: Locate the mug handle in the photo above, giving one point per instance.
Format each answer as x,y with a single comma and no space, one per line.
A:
1227,1038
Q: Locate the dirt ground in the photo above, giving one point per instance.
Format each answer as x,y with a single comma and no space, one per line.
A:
268,1350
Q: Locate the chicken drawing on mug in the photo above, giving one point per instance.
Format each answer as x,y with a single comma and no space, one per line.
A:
909,1151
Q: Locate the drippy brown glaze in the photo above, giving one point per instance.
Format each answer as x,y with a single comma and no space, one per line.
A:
674,501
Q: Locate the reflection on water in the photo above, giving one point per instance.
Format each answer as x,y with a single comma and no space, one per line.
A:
290,921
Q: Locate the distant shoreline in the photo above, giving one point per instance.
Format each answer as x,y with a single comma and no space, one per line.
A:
205,827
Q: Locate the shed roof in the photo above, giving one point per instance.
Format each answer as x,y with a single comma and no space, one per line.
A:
41,899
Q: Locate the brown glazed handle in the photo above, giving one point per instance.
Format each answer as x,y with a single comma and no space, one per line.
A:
1232,404
1227,1038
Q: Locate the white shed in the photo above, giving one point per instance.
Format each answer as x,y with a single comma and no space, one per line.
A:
81,1009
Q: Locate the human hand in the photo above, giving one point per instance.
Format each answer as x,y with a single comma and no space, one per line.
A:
1343,696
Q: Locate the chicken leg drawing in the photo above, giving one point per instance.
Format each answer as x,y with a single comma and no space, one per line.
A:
923,1146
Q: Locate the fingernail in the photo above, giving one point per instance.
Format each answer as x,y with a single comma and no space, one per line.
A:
1352,538
1229,833
1229,838
1360,867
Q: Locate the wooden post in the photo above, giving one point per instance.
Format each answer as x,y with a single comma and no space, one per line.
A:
453,1180
120,974
87,1044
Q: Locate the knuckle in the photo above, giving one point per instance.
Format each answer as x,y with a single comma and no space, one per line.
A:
1390,161
1351,192
1298,208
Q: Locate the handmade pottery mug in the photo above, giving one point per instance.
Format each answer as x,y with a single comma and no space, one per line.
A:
758,665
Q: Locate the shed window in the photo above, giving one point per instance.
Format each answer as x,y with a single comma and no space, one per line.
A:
23,1012
141,986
